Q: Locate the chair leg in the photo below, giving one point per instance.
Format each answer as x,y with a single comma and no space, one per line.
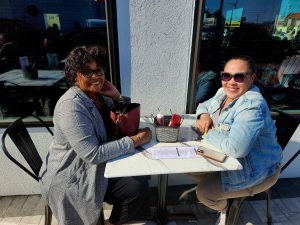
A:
48,215
234,209
269,206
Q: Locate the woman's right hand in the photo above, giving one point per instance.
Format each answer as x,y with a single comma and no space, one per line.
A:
204,123
109,90
143,136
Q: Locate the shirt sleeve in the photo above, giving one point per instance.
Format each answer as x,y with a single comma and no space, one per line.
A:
247,125
203,107
76,123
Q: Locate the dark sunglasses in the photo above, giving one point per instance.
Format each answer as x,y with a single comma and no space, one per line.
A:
238,77
89,72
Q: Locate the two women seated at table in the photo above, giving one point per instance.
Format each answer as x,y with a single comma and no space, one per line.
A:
237,120
72,177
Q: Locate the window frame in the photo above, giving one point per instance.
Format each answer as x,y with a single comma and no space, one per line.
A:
195,54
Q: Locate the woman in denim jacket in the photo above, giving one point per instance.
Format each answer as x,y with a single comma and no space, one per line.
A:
237,120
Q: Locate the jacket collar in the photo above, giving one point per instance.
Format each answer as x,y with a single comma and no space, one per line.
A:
221,96
88,102
86,99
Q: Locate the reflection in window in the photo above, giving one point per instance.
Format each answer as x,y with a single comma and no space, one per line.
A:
35,38
269,31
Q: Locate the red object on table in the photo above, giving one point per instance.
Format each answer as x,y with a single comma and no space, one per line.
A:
175,120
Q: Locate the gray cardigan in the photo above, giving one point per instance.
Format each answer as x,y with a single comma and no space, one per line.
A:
72,176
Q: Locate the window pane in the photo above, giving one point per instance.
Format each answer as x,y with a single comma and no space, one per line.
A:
267,30
34,42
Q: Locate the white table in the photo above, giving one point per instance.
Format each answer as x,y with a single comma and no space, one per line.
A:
138,164
45,78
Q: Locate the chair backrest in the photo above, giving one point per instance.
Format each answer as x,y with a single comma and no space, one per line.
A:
6,98
13,98
289,66
20,136
286,125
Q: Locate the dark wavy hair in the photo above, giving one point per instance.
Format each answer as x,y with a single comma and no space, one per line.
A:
249,60
79,57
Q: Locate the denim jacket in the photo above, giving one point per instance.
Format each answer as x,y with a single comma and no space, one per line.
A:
245,131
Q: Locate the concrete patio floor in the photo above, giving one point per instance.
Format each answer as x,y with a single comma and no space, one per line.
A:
29,210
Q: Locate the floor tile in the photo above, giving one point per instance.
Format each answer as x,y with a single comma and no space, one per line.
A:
295,218
292,204
29,210
5,201
251,213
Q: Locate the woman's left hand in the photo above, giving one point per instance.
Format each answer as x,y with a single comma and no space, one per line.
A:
109,90
204,123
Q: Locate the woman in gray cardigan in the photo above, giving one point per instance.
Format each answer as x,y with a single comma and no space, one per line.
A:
72,176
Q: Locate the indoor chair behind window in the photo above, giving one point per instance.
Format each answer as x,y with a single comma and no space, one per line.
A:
15,101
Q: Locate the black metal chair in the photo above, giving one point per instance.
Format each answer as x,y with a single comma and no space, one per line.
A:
286,126
20,136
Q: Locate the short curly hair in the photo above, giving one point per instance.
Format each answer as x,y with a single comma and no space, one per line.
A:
79,57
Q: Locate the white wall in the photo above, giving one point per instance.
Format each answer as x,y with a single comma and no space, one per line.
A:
290,149
155,45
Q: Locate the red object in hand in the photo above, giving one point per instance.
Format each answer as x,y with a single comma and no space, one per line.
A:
175,120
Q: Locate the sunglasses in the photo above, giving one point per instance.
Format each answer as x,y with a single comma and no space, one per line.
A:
89,72
238,77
